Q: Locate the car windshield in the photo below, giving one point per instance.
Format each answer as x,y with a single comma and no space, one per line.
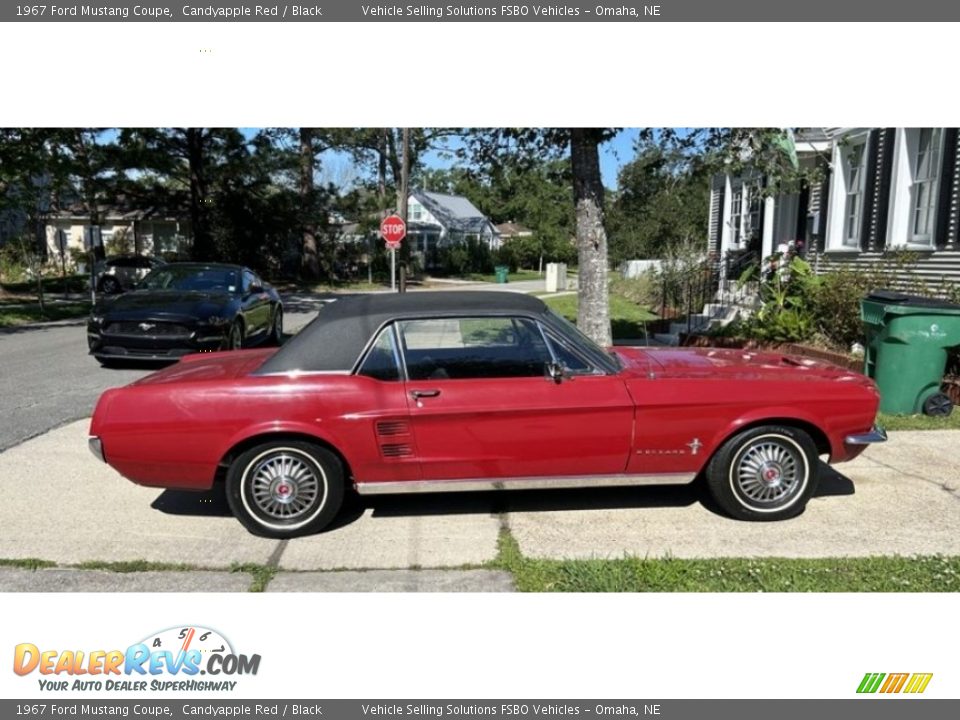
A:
191,277
583,344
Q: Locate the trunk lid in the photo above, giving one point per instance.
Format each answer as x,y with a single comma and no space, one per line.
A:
204,367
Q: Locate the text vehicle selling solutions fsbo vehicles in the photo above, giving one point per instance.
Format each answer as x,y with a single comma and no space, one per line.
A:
471,391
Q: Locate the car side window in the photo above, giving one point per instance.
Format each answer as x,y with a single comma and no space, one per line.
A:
568,359
249,280
381,362
470,348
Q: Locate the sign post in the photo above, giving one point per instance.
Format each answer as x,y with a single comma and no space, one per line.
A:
393,230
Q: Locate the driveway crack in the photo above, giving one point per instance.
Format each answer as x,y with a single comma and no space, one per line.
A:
953,492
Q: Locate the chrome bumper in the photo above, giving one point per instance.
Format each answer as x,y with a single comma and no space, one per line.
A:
876,435
96,447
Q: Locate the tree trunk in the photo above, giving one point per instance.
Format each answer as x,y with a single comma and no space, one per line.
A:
593,313
309,251
199,201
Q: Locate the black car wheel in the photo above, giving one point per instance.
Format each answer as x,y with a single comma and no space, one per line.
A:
109,285
276,330
765,473
235,338
938,405
285,488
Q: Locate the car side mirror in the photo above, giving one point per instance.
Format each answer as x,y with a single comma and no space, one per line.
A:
555,372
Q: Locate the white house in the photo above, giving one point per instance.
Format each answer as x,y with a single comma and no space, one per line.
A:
883,189
435,220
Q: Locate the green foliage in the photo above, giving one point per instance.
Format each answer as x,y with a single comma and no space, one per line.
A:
662,201
683,272
464,258
836,306
787,295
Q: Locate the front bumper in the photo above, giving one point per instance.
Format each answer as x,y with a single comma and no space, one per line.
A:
96,447
147,346
876,435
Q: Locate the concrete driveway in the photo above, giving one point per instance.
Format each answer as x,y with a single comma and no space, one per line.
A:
58,503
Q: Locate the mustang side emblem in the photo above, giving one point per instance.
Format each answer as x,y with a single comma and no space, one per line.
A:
146,326
695,446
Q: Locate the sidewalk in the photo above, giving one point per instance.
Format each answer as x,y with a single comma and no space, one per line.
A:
75,580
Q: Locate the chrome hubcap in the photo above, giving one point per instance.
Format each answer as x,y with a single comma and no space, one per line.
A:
284,486
769,472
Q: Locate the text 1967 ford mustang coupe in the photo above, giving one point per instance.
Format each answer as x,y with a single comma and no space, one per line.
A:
472,390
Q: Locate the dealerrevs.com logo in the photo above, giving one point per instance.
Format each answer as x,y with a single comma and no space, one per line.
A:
176,659
889,683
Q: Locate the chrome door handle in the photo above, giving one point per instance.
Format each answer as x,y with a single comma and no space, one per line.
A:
417,394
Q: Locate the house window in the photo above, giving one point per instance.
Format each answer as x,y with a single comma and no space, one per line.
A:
755,196
855,170
736,216
415,212
925,166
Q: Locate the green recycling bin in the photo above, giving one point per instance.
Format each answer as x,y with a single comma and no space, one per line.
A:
501,271
906,353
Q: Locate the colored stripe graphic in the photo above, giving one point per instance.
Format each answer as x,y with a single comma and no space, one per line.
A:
894,683
918,683
870,682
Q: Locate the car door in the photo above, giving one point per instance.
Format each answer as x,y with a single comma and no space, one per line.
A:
256,304
482,405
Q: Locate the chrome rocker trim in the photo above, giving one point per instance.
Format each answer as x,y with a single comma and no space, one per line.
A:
876,435
520,483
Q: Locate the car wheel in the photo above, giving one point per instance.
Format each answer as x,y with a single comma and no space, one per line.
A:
110,285
235,337
283,489
765,473
938,405
276,331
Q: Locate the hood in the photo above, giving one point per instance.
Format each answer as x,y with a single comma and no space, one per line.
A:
742,364
204,367
150,303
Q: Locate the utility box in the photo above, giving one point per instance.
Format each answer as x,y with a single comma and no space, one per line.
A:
556,277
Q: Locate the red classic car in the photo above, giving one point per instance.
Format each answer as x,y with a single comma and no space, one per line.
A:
478,390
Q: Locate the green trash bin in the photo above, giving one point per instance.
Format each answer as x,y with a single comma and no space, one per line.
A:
906,353
501,271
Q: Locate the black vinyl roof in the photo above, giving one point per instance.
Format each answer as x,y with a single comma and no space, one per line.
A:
334,340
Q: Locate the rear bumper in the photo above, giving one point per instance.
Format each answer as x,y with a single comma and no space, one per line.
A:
876,435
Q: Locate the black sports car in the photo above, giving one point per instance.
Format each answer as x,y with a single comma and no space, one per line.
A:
183,308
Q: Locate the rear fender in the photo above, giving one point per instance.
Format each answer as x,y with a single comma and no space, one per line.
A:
279,428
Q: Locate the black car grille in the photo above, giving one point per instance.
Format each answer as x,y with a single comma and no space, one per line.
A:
147,329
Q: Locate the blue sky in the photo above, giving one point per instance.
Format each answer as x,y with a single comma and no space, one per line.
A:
613,155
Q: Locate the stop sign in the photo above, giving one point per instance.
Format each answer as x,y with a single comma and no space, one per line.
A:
393,229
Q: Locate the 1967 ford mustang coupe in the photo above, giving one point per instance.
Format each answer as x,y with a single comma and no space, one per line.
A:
477,390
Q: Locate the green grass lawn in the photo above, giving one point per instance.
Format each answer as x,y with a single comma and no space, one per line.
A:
631,574
626,317
511,277
10,316
919,422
